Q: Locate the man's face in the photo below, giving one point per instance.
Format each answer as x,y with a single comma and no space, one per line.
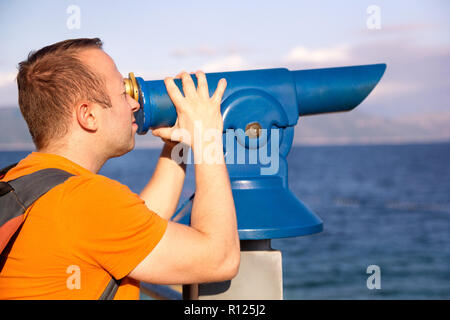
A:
117,124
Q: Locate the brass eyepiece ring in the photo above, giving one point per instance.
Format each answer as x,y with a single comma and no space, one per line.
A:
131,86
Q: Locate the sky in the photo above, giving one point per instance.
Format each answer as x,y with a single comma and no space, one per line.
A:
155,39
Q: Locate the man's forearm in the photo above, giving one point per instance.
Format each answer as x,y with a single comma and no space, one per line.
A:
213,209
162,192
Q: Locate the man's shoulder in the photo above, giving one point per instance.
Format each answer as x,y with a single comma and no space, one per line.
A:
98,179
105,197
96,184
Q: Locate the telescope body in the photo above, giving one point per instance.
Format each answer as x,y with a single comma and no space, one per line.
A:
260,109
295,93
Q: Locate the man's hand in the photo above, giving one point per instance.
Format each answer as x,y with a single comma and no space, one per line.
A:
195,108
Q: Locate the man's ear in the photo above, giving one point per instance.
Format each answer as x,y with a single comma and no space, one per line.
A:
87,115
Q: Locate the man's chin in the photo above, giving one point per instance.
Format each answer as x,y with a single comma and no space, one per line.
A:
132,144
124,150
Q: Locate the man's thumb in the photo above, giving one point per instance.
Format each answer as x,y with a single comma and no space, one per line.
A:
164,133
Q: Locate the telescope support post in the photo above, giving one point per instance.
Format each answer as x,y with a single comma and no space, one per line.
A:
259,277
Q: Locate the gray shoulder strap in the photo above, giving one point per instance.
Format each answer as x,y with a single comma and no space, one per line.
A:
110,290
32,186
27,189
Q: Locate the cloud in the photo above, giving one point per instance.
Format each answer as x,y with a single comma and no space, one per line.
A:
400,30
207,51
8,89
7,78
416,80
392,88
417,77
228,63
302,54
179,52
202,50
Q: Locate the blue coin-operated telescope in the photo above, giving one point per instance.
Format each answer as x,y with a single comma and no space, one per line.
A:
260,109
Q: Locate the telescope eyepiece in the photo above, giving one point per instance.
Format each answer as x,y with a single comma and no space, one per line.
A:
131,86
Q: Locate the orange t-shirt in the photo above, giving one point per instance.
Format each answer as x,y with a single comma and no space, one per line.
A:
77,235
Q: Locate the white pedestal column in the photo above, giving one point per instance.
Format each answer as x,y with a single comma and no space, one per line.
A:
259,278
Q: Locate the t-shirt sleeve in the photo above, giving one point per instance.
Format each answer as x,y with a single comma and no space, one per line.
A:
115,229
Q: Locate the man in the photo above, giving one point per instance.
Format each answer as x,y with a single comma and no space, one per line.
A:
79,115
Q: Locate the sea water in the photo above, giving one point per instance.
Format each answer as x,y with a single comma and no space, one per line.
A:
386,206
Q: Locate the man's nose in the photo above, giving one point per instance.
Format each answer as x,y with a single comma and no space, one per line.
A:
134,105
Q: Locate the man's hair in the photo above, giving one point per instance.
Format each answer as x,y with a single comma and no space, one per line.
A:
51,81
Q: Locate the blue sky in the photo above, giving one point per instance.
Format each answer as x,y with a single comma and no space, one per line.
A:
159,38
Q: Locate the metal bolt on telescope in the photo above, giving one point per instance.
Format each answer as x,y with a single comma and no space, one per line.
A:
263,105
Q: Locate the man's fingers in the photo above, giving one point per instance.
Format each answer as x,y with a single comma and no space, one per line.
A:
202,84
221,86
173,91
188,85
178,76
164,133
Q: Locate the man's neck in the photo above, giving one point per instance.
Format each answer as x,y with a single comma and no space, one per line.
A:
85,158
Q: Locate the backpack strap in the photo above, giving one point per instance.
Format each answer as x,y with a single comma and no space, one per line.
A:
6,169
17,195
110,290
